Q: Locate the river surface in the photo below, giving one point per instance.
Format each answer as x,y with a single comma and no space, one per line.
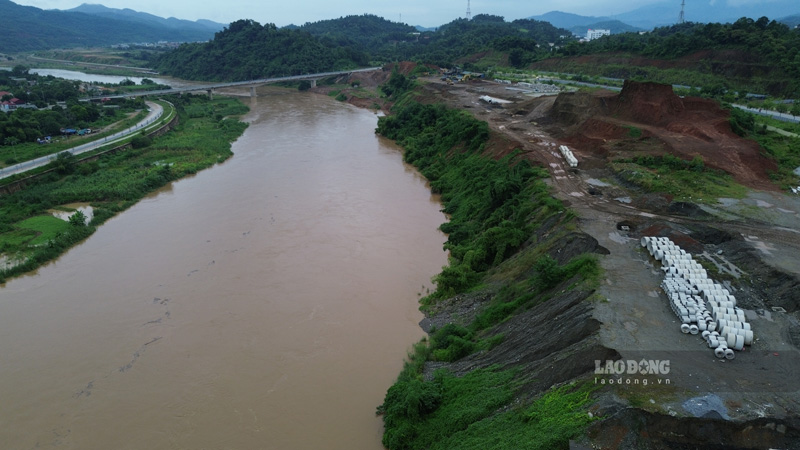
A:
114,79
267,302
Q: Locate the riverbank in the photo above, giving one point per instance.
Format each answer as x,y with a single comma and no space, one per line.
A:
557,336
114,181
196,310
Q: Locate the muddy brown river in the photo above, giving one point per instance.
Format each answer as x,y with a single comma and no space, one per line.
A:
265,303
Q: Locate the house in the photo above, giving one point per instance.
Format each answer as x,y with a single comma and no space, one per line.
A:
10,105
594,34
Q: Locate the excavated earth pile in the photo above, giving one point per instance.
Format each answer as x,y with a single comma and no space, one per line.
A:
603,123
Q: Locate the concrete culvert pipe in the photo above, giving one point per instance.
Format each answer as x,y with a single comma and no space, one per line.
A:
739,344
748,337
730,339
739,325
685,328
693,329
713,342
719,352
729,354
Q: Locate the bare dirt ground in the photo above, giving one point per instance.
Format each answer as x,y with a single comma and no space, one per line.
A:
755,242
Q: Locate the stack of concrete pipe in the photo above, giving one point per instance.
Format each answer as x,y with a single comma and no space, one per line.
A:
571,159
703,306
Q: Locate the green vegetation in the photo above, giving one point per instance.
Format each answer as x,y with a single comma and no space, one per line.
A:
460,40
45,228
468,413
397,85
367,33
420,414
245,50
767,61
785,150
634,132
677,177
113,183
27,28
23,131
489,201
495,206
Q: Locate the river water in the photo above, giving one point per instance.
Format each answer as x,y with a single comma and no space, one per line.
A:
264,303
113,79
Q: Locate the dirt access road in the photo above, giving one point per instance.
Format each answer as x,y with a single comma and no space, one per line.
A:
754,243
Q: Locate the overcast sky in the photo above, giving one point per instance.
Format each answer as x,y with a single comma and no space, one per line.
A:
428,13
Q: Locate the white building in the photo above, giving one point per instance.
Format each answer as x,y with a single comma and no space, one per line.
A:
594,34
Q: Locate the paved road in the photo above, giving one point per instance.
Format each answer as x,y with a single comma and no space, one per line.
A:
155,112
774,114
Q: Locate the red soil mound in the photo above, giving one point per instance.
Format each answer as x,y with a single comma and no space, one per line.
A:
607,125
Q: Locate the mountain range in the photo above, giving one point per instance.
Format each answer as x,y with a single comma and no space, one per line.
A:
26,28
668,12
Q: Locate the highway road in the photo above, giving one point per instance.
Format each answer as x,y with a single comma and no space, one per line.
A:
155,113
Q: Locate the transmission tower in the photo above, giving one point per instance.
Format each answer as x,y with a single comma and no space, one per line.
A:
469,13
681,18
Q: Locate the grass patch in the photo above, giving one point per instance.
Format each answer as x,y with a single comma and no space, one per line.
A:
634,132
46,228
785,151
682,179
651,387
468,413
15,238
525,294
423,414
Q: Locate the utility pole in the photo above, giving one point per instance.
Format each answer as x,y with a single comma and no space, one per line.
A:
469,13
681,18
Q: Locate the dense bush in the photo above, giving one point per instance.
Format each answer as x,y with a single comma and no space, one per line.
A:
489,201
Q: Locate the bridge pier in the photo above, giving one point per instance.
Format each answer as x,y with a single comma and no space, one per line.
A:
210,97
313,83
252,91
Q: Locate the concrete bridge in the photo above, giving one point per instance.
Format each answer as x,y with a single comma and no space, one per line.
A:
252,84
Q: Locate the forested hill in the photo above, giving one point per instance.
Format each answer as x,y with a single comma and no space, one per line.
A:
25,28
760,55
246,50
522,40
367,32
389,41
